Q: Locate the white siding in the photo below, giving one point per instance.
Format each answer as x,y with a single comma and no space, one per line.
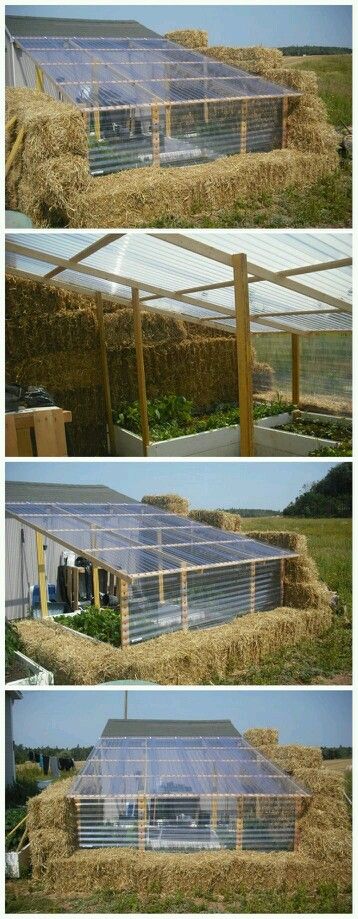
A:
21,566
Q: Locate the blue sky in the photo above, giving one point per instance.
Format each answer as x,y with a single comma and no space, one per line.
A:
64,717
237,24
205,484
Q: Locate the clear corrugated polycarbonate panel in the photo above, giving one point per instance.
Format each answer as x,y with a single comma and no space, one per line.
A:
188,824
325,369
121,79
159,267
209,598
102,532
101,72
186,793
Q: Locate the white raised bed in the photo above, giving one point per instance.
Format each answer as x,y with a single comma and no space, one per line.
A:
271,442
38,675
16,863
218,442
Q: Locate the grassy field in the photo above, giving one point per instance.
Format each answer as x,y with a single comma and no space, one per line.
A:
27,896
338,765
327,659
328,203
334,72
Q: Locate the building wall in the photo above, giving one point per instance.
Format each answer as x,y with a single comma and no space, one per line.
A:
21,567
10,772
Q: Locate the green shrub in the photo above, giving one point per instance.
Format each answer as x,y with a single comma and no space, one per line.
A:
104,624
17,795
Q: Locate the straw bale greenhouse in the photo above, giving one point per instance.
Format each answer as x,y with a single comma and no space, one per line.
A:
146,100
184,785
256,321
168,572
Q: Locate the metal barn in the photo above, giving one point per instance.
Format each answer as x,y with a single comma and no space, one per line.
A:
168,572
184,786
147,100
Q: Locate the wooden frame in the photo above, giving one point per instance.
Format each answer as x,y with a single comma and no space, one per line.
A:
295,350
41,567
243,274
42,428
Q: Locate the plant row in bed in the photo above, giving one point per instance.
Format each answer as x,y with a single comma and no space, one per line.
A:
103,624
339,432
175,416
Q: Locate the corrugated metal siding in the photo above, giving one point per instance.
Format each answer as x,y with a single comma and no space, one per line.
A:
21,567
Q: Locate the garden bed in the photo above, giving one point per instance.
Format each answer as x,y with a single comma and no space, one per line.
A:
303,434
23,671
177,430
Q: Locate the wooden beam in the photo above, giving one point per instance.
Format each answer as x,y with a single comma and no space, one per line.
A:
41,566
239,823
311,292
96,597
243,353
295,349
15,149
39,77
105,374
155,134
142,392
124,611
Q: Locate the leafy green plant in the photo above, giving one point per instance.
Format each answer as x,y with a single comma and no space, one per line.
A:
13,816
104,624
174,416
12,643
339,432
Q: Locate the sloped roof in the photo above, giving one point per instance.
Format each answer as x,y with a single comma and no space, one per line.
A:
51,25
140,727
48,491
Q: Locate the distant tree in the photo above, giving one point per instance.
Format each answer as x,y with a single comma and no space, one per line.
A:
329,497
299,50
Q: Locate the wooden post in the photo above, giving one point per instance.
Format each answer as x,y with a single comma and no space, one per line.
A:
124,610
142,820
168,121
252,586
284,121
295,348
239,823
243,129
155,134
11,445
16,147
282,580
142,394
105,374
96,115
39,76
96,596
243,352
184,598
42,574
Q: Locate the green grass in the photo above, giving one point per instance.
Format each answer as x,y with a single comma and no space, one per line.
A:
334,72
327,203
26,896
329,657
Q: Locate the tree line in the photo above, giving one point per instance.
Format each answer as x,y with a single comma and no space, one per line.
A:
299,50
329,497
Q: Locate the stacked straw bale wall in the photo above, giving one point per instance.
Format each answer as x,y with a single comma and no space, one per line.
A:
324,850
52,341
220,519
57,190
173,503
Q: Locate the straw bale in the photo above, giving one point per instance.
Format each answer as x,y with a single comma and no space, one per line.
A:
243,57
189,38
50,125
262,736
291,757
221,519
181,658
143,197
302,585
173,503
